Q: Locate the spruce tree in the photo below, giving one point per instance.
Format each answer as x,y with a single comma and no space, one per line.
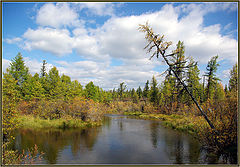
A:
233,81
146,90
43,69
211,76
18,69
154,91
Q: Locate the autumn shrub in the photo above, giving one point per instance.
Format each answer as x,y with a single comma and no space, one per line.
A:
224,117
96,112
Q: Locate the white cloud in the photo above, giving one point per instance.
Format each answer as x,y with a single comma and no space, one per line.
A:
57,15
13,40
100,8
5,64
118,38
35,66
226,73
50,40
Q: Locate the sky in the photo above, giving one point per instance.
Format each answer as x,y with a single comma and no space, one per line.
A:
100,42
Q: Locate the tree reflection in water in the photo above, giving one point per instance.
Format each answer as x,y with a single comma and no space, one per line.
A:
52,142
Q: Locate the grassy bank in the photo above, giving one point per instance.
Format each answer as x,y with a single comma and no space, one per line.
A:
31,122
190,124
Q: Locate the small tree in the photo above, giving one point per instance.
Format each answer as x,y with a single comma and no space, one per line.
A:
211,76
233,81
43,69
139,92
154,91
146,90
121,89
18,69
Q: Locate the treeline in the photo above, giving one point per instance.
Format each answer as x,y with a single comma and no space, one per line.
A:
49,85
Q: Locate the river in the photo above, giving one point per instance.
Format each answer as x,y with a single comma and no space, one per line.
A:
120,140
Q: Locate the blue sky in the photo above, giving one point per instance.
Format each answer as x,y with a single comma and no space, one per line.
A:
100,42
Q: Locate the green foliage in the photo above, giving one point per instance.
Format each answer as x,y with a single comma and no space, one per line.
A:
134,96
43,69
193,81
121,89
32,88
154,91
233,81
211,76
146,90
9,99
54,83
139,92
18,70
92,92
219,93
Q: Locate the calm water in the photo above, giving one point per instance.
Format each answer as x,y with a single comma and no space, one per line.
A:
121,140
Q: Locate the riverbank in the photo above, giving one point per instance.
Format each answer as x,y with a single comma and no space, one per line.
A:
190,124
31,122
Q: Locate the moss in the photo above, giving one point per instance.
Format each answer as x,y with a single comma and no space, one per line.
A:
30,122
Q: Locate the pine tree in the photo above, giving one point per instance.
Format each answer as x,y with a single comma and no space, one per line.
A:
32,88
154,91
75,89
43,69
139,92
90,91
54,83
233,81
121,89
134,95
18,69
157,46
192,81
146,90
211,76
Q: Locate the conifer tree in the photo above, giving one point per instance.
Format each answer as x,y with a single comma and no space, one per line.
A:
43,69
154,91
192,81
54,83
211,76
18,69
146,90
121,89
91,91
158,47
139,92
32,88
233,81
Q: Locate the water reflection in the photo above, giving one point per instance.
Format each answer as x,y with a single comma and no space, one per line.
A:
154,133
121,140
53,142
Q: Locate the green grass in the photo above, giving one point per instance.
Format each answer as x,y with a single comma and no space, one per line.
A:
31,122
183,123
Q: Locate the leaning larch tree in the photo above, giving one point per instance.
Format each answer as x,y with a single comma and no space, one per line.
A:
158,46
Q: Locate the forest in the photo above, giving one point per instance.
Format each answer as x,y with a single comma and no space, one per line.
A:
50,100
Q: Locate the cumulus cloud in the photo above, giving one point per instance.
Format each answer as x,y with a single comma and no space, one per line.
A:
13,40
57,15
118,38
100,8
55,41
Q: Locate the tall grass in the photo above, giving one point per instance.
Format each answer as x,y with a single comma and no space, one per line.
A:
29,121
